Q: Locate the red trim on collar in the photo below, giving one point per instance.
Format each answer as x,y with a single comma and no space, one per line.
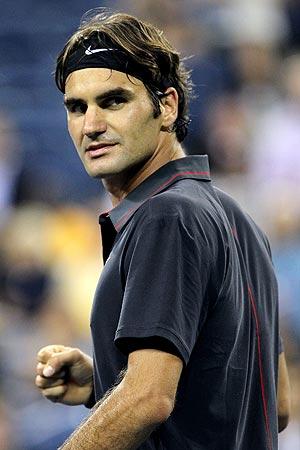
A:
179,174
166,183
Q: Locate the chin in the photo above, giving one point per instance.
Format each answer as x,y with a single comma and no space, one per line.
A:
101,173
126,168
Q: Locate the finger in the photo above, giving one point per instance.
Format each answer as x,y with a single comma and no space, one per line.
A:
40,368
44,383
61,360
54,393
46,352
60,374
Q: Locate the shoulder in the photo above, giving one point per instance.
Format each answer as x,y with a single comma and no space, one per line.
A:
182,214
183,200
240,220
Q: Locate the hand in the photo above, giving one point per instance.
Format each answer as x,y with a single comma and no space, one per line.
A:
64,374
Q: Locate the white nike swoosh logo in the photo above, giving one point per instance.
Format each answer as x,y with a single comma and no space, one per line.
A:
90,51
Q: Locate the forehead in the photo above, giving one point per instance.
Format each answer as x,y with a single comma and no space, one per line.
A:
89,81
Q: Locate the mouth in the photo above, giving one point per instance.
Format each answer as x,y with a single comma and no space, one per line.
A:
94,151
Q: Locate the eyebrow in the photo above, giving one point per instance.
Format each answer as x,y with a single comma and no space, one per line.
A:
110,93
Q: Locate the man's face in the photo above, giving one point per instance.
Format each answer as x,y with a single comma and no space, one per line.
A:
110,120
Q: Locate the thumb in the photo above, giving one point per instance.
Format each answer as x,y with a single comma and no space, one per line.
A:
61,360
49,371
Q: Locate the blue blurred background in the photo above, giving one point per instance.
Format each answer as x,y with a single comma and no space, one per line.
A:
245,58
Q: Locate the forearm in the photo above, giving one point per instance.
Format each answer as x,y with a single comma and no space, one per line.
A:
121,422
283,394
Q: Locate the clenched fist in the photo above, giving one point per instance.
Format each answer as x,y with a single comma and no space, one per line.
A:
64,374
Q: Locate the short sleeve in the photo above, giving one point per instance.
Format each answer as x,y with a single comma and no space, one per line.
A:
165,275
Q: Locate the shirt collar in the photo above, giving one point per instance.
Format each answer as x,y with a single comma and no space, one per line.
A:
195,167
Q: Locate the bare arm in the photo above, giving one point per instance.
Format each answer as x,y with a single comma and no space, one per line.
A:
283,394
130,412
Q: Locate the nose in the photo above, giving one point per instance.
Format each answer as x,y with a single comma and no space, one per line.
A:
94,123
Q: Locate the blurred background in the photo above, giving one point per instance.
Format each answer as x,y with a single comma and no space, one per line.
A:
245,57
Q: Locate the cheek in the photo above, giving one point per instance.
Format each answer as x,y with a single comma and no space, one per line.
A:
142,125
74,132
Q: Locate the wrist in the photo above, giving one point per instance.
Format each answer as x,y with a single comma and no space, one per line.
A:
91,400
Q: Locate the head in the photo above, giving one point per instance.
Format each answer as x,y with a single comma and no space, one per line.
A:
145,50
123,49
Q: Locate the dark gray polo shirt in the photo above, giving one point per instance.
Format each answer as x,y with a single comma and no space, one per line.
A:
188,272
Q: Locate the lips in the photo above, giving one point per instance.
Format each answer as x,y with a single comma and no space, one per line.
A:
97,150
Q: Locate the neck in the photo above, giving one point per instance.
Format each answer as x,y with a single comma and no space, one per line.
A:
119,185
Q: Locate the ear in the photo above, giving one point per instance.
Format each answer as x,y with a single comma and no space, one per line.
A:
169,108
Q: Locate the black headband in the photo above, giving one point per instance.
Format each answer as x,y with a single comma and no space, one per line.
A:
100,53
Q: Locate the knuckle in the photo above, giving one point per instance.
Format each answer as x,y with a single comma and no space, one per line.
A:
44,350
55,362
45,383
39,381
50,392
75,351
47,394
54,394
41,352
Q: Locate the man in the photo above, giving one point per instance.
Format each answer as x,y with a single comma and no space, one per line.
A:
184,321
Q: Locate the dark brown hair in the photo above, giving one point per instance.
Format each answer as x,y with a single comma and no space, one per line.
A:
146,46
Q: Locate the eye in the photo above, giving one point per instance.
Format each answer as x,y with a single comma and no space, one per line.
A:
76,108
114,102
